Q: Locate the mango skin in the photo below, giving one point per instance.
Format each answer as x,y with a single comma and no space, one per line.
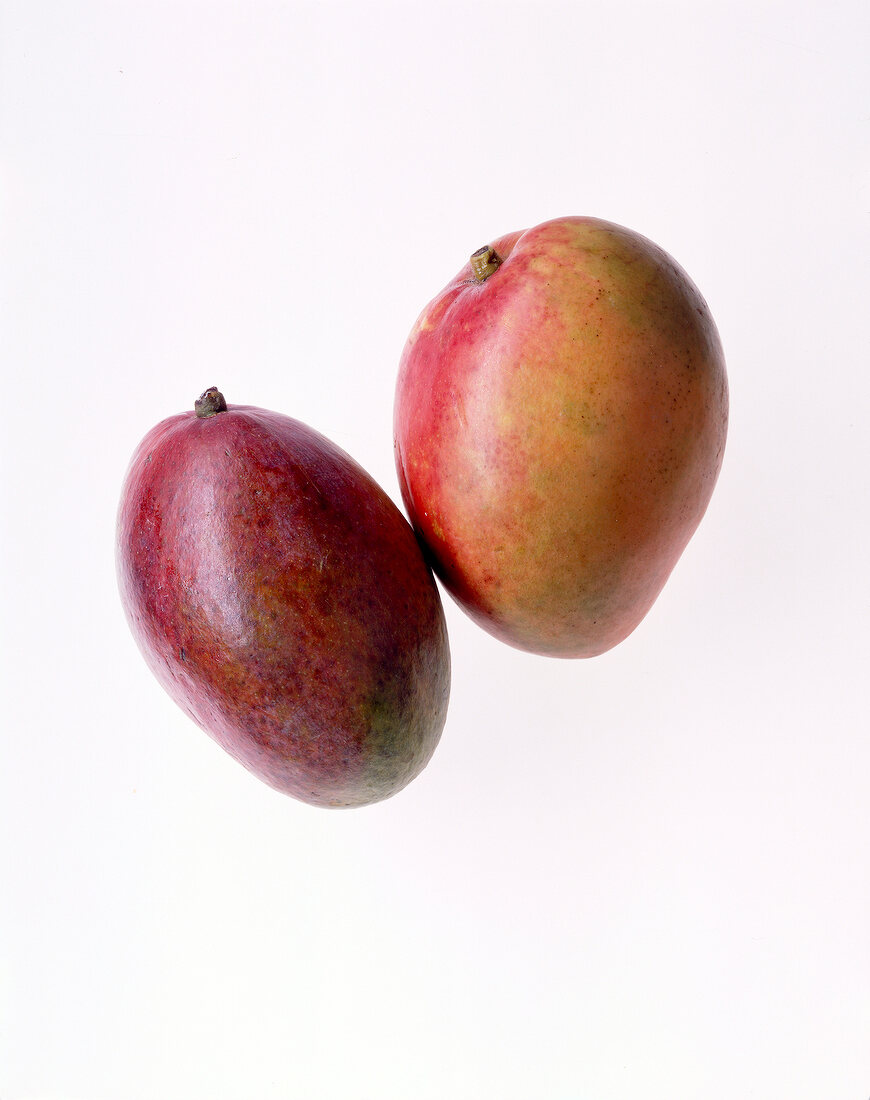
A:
282,600
559,430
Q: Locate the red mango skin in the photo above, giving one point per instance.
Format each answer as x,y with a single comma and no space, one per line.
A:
559,430
282,600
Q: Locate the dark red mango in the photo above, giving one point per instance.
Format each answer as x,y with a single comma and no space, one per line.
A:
282,600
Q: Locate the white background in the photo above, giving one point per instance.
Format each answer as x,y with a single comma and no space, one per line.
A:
646,875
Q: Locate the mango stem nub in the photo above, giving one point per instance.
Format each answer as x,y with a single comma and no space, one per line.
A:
484,262
209,403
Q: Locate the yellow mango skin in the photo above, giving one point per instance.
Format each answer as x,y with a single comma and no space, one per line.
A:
559,430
